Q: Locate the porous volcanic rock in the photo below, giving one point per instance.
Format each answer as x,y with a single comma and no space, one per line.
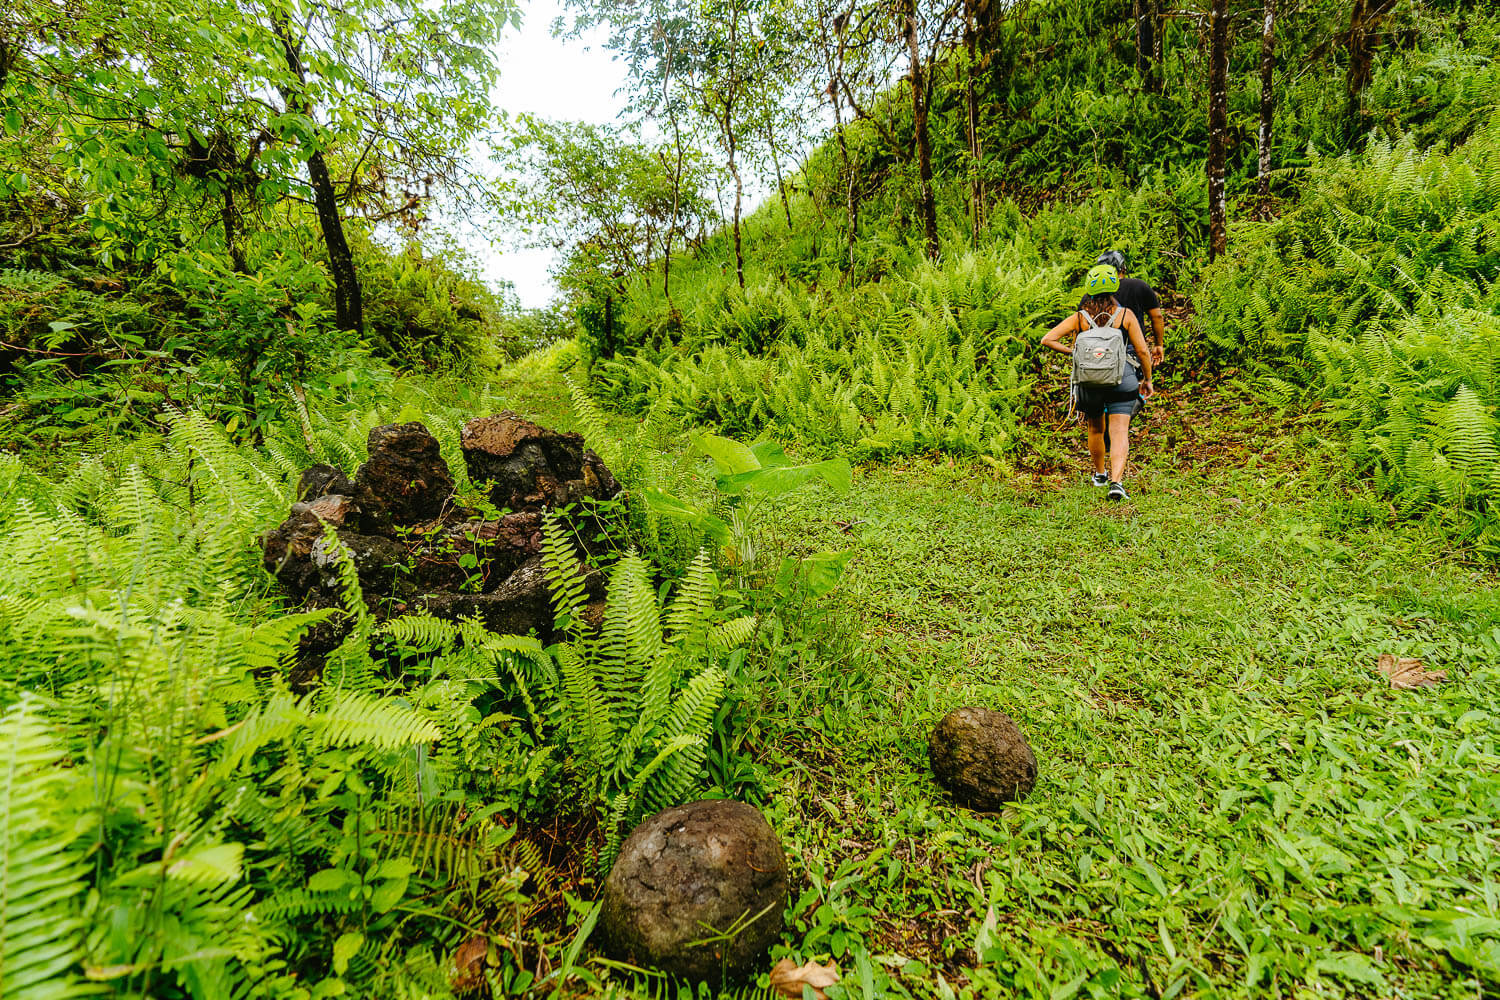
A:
714,863
529,467
415,549
498,547
377,560
406,473
520,604
287,548
980,756
323,480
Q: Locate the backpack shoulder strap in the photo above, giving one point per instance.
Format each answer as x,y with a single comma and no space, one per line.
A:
1116,317
1088,317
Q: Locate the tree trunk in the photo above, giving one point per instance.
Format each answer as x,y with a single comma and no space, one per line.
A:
1359,68
971,100
348,301
836,86
1218,67
786,203
666,260
1267,98
1145,42
729,101
227,214
739,193
666,257
926,203
607,345
1158,37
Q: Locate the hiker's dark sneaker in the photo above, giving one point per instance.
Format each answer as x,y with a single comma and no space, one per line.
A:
1117,492
1099,479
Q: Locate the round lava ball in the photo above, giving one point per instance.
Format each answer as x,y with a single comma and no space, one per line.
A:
692,873
980,756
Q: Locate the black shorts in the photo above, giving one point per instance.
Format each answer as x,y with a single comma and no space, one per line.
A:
1095,401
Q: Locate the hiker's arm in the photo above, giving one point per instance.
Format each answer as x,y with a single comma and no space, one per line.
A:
1138,341
1054,336
1159,329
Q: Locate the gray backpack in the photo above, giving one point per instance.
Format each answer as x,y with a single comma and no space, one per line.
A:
1099,352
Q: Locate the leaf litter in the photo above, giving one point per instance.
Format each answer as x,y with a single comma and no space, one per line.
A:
1406,672
788,978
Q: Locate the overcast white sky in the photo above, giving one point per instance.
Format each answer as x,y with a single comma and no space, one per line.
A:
564,80
571,80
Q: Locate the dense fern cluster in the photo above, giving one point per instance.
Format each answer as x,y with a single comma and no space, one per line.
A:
1376,298
1397,232
184,821
932,360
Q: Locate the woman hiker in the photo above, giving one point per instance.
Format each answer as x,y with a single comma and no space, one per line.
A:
1115,403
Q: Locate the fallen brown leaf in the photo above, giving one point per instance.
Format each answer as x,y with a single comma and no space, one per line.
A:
1408,673
468,964
788,979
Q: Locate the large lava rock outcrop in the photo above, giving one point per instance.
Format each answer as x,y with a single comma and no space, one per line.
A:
714,865
416,549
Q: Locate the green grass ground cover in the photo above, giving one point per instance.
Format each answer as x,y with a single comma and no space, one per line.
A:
1231,801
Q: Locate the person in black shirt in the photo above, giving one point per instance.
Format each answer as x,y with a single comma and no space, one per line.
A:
1141,299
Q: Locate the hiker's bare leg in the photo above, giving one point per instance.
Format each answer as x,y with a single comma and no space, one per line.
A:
1119,445
1096,441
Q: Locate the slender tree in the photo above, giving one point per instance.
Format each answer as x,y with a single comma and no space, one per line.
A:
1364,19
971,107
1145,41
1359,66
1218,104
924,29
246,105
348,298
856,62
921,139
1266,134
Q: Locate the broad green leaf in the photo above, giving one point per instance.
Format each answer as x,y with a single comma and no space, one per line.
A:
345,948
769,454
1352,966
394,868
776,482
729,456
387,894
213,863
822,571
666,505
328,880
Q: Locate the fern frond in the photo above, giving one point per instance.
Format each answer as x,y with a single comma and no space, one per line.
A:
691,716
625,802
565,579
42,869
421,633
732,634
687,615
355,718
595,431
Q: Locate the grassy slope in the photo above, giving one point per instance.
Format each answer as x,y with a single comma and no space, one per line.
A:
1228,793
1218,759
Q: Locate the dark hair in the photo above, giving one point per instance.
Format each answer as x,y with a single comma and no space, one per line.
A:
1099,306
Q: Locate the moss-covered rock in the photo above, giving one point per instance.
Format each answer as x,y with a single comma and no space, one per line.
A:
980,756
711,864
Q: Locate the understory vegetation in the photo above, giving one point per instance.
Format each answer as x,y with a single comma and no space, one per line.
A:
850,499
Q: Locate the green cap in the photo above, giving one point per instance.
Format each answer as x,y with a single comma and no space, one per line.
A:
1102,279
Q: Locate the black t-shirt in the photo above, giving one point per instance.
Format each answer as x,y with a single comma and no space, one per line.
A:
1140,298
